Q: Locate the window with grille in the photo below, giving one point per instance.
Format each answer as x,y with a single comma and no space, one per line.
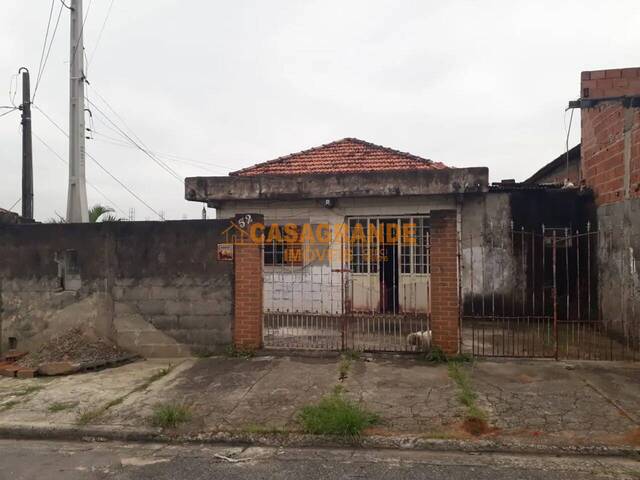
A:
279,252
365,252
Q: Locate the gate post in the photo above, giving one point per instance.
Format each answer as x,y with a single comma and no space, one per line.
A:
248,288
445,322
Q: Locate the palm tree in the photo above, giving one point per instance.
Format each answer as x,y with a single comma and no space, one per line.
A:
102,213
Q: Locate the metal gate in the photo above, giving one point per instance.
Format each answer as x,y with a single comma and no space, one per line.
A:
350,293
536,294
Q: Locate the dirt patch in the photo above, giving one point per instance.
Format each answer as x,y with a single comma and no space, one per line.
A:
476,426
76,345
633,437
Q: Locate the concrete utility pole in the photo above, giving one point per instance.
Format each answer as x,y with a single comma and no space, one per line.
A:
27,155
77,210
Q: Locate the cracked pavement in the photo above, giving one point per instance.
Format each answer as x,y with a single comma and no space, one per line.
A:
582,403
123,461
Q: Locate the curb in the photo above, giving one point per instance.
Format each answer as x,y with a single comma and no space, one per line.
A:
294,440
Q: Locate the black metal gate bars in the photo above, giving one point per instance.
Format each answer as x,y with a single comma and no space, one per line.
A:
537,294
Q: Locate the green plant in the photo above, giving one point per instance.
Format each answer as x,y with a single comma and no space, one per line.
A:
435,355
352,354
264,430
28,390
466,394
336,415
343,368
90,415
8,405
87,416
170,415
239,352
101,213
60,406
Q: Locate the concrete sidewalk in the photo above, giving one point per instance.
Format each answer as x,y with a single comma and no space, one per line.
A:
538,403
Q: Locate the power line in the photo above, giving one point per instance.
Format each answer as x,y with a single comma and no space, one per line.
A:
119,143
46,58
168,156
104,24
12,98
136,196
142,147
139,144
111,202
13,109
46,37
84,21
17,202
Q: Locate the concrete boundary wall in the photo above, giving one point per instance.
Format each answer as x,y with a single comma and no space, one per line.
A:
156,288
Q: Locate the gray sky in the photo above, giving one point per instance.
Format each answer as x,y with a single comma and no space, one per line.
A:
230,84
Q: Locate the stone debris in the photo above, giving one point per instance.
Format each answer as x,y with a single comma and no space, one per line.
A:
75,347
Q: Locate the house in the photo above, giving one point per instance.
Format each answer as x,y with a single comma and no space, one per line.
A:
566,167
348,184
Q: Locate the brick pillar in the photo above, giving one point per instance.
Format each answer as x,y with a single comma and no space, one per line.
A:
247,325
444,281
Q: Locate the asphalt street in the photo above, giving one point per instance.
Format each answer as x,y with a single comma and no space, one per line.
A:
22,460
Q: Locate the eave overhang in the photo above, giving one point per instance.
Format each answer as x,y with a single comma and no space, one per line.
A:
320,186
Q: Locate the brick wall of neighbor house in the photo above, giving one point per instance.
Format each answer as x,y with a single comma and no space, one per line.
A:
611,167
444,281
611,135
157,288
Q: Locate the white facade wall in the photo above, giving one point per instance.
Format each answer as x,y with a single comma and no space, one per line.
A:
325,286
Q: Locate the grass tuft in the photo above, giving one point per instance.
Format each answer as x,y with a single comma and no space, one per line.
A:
28,390
436,355
476,419
61,406
170,415
336,415
88,416
256,429
239,352
8,405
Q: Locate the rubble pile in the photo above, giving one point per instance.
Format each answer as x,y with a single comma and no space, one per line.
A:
75,346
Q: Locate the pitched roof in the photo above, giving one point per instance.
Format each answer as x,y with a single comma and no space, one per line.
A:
348,155
574,156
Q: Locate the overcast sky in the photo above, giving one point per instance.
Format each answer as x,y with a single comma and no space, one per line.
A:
222,85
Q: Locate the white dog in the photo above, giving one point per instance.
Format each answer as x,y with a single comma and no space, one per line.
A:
421,339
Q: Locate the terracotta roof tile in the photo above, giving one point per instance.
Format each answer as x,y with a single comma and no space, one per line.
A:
348,155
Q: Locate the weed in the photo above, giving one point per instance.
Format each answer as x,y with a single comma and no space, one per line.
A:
28,390
8,405
343,368
61,406
475,422
336,415
88,416
156,376
239,352
170,415
264,430
203,354
435,355
352,354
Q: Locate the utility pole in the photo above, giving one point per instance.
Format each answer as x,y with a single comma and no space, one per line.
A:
27,152
77,210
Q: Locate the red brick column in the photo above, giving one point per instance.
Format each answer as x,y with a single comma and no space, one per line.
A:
444,281
247,325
